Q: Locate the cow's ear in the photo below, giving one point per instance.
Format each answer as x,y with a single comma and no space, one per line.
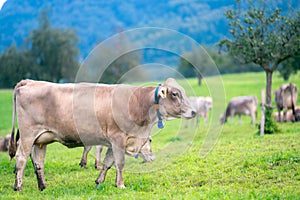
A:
162,92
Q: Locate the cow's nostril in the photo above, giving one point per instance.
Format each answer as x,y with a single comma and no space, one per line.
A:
193,114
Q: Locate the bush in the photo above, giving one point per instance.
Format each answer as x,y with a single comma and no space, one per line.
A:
270,124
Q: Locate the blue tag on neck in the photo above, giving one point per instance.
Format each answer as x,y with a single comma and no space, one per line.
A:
160,124
136,156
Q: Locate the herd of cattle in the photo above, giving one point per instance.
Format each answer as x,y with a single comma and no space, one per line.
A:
97,115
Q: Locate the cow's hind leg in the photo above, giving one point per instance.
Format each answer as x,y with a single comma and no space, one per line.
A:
84,156
38,156
22,154
284,114
99,149
108,162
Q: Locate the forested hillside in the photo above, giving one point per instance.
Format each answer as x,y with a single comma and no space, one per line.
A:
95,21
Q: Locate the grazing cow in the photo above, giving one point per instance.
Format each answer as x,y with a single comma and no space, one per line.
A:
286,97
202,105
117,116
4,143
290,117
145,153
243,105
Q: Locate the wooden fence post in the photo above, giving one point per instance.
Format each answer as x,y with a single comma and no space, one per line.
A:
263,108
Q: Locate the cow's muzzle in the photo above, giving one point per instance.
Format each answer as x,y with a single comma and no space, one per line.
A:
193,113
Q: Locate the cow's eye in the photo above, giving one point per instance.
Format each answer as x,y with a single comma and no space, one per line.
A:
175,94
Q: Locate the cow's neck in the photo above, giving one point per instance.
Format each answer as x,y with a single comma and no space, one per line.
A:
141,106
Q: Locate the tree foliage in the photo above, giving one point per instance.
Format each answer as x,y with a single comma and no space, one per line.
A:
110,61
15,65
289,67
263,36
49,54
54,50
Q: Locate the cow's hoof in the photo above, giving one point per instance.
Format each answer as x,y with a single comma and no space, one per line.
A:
97,182
121,186
82,165
98,167
17,188
42,187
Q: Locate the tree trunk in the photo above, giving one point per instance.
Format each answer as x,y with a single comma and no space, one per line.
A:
269,88
200,79
263,109
270,125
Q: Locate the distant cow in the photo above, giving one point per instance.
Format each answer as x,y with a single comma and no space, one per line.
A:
202,106
145,153
4,143
119,117
290,117
286,97
243,105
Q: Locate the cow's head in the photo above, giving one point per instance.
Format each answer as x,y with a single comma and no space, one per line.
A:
6,142
139,147
208,103
174,102
223,119
297,115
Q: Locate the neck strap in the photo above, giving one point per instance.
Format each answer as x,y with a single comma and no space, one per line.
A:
160,123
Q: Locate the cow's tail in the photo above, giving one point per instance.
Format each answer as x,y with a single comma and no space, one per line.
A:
292,99
13,141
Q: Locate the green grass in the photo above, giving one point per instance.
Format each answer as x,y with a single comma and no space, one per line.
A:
242,165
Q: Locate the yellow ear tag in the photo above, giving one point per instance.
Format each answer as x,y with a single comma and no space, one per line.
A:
163,93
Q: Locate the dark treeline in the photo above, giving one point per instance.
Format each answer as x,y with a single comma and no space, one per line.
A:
47,54
52,54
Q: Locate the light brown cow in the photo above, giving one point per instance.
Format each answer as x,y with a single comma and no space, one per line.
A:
4,143
117,116
145,153
202,106
243,105
286,97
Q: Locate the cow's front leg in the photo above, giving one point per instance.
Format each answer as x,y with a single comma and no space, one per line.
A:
108,162
38,156
252,118
119,157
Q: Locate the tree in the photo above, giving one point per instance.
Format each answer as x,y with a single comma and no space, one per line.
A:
199,56
54,50
288,67
112,71
14,66
264,37
201,59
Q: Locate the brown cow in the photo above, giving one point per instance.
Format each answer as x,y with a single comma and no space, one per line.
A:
243,105
4,143
286,97
145,153
117,116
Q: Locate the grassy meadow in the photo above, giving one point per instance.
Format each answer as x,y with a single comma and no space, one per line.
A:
241,164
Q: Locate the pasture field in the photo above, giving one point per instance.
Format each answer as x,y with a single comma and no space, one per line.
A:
242,164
